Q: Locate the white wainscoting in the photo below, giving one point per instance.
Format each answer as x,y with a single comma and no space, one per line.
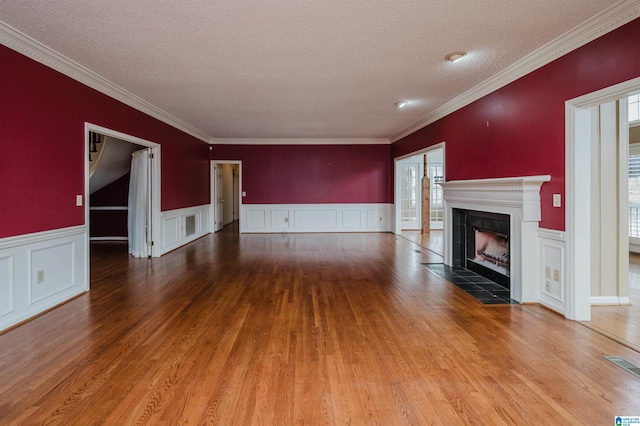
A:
174,229
275,218
41,270
552,270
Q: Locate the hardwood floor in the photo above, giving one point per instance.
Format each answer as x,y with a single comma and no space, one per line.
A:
432,241
622,322
301,329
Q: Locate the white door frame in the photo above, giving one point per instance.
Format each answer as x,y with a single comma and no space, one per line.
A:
155,183
212,211
397,172
217,186
417,225
580,127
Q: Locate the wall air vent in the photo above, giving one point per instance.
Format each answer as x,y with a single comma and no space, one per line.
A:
190,225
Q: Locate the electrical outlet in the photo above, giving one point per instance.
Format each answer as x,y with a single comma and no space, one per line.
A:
547,272
556,275
286,219
547,286
40,276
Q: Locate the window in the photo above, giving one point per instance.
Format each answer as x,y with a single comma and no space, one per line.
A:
435,173
634,190
409,193
634,108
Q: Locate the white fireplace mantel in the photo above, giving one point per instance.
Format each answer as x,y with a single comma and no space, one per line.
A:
518,197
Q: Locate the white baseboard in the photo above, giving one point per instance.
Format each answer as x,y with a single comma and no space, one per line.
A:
109,239
278,218
41,270
174,226
610,300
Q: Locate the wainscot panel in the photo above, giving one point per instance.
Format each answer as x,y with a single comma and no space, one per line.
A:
41,270
552,262
315,218
6,285
174,226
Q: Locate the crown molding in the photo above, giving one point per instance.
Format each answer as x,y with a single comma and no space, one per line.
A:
37,51
607,21
299,141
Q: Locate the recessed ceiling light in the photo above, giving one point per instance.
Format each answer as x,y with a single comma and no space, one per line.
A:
401,104
455,56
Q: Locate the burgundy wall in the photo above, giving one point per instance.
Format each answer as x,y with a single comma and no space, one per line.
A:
312,174
114,194
43,114
110,223
526,132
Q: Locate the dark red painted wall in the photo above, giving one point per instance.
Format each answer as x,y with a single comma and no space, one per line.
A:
42,119
106,223
110,223
526,132
112,195
312,174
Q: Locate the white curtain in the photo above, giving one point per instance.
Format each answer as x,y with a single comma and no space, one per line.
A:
139,204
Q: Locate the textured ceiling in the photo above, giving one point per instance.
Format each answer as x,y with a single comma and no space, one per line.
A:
296,68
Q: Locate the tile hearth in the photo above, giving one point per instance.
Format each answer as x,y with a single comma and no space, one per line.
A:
483,289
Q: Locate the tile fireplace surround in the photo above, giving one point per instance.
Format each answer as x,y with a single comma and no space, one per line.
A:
518,197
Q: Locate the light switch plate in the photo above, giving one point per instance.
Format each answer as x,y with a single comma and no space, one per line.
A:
79,200
557,200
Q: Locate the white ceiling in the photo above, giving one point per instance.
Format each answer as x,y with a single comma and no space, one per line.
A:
296,68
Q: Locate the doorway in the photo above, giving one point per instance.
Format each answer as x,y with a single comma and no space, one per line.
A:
121,142
585,191
618,316
409,172
226,195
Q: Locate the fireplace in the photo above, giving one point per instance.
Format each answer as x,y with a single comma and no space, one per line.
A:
481,244
509,208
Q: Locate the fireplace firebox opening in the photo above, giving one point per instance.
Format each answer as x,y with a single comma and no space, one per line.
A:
481,244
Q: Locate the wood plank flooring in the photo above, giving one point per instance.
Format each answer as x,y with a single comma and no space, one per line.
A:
622,322
336,329
433,241
618,322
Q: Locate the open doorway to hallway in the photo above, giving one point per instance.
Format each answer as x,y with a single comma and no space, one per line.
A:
589,117
418,198
622,321
107,189
226,195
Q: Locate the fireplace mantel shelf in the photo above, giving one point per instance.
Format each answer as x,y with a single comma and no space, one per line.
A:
520,192
529,183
